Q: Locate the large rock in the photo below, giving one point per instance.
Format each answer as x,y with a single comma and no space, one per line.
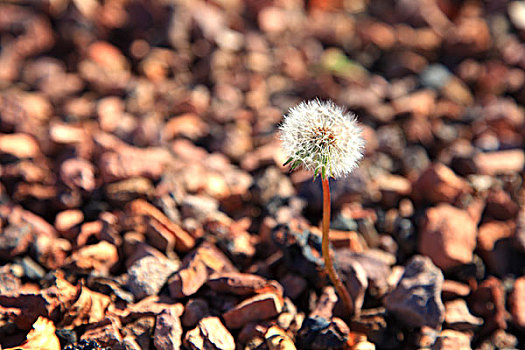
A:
148,275
447,236
416,300
438,183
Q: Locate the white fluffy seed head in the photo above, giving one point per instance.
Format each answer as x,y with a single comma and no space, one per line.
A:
322,137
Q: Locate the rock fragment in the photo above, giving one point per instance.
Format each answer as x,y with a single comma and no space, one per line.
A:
259,307
438,183
500,162
517,302
458,316
147,275
416,300
168,330
448,236
211,334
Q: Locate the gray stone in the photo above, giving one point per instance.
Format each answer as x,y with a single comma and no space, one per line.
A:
416,300
168,330
148,274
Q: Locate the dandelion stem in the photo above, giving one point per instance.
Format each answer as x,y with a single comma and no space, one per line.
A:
336,281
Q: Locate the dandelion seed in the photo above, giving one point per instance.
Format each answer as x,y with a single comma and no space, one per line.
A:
322,137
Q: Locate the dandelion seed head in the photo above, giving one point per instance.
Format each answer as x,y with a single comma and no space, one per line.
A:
322,137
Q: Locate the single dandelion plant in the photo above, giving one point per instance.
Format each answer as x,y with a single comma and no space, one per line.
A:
324,138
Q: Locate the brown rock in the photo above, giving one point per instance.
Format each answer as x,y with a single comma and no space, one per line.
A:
188,125
354,278
493,244
131,161
19,145
500,205
393,188
159,223
458,316
488,301
416,300
321,333
130,189
66,134
277,339
453,289
196,269
517,303
260,307
450,339
78,173
500,162
438,183
105,333
67,220
168,330
293,284
325,305
99,257
447,236
420,103
10,278
139,332
237,283
153,306
109,111
211,334
195,310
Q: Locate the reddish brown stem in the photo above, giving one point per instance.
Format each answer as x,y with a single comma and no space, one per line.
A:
336,281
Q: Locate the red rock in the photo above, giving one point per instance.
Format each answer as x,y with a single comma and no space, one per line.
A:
500,205
237,283
500,162
438,183
260,307
517,302
447,236
488,301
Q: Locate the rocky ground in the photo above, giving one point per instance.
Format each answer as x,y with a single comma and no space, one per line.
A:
144,205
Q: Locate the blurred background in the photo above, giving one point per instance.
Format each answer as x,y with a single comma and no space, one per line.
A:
103,102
